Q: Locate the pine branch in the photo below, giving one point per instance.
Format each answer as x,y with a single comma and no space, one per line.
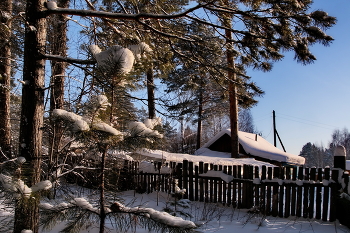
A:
67,59
102,14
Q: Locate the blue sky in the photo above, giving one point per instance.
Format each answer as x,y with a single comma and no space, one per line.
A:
310,101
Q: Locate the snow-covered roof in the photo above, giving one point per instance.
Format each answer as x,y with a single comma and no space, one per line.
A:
254,145
217,158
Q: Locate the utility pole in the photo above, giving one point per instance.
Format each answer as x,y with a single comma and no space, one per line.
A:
275,133
274,128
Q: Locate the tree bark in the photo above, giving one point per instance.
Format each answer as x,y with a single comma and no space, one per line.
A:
58,42
30,138
232,79
200,113
150,94
5,76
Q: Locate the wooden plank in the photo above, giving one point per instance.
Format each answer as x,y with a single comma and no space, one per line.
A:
326,202
220,186
263,190
281,194
244,202
201,182
319,195
206,184
294,192
196,183
224,187
300,192
239,187
268,191
287,193
191,190
185,177
334,193
256,188
215,184
250,187
230,198
306,193
211,185
275,188
312,192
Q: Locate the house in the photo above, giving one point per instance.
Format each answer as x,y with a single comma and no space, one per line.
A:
250,145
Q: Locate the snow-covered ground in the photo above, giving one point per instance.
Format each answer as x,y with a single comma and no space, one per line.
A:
220,219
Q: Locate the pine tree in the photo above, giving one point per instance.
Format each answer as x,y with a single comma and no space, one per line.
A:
5,77
30,138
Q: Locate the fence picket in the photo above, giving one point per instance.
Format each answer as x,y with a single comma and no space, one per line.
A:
300,192
239,186
287,203
312,192
306,187
263,190
318,194
190,182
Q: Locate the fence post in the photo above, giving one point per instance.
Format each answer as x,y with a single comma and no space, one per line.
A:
339,163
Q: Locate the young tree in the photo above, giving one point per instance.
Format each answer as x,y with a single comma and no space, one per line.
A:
57,38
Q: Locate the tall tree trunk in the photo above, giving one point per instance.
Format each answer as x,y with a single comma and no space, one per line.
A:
58,42
150,94
30,138
5,76
200,112
232,78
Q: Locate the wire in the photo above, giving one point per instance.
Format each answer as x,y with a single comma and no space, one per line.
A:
308,120
315,125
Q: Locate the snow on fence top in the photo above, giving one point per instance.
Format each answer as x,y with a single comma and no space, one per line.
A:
254,145
218,158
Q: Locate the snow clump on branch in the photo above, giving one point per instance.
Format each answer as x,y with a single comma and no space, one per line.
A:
141,129
114,60
78,123
158,216
18,187
140,50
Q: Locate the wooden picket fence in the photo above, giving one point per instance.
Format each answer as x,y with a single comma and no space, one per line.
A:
275,191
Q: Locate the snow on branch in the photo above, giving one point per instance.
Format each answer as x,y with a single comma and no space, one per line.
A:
114,60
158,216
140,129
20,188
78,123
